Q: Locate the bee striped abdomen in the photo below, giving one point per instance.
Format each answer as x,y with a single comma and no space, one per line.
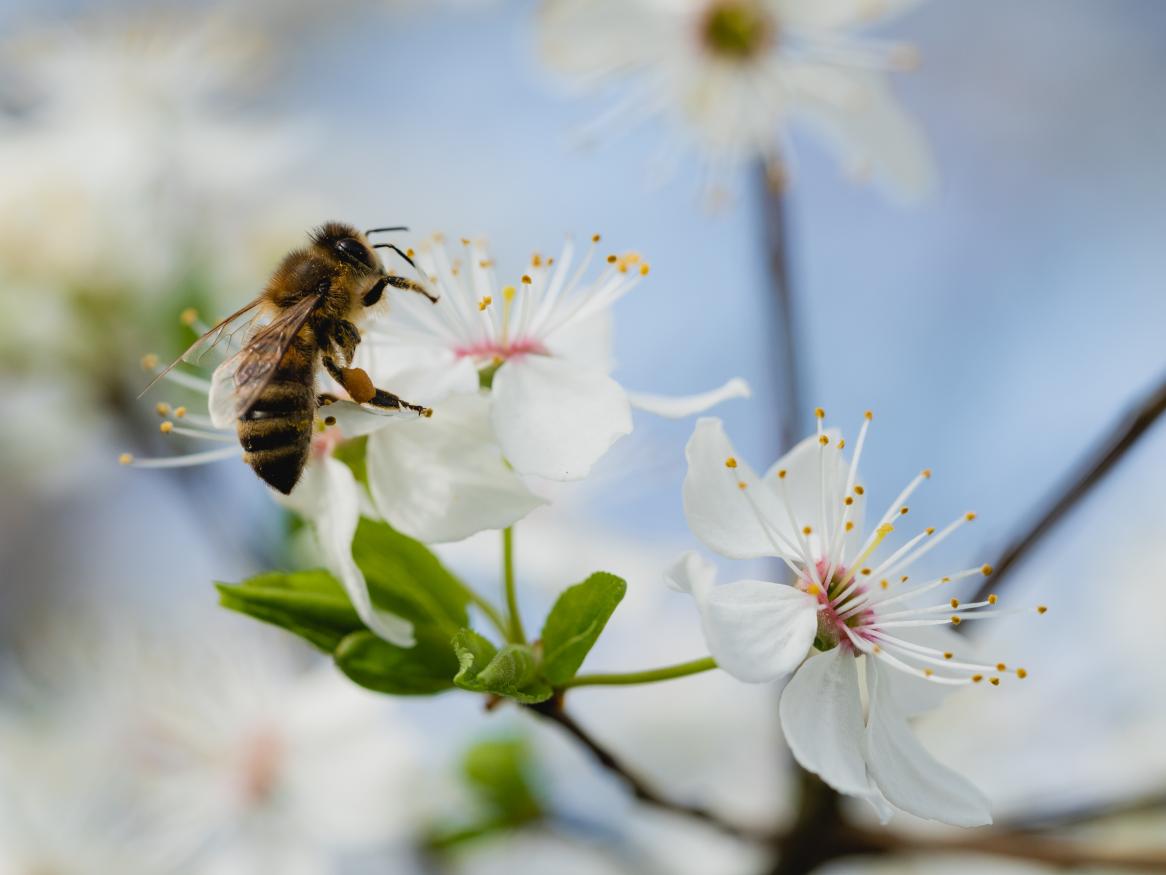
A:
276,433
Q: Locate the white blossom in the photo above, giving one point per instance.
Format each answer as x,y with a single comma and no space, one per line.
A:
737,75
543,344
851,629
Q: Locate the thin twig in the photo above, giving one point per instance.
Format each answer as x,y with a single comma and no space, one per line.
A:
1122,438
784,317
552,710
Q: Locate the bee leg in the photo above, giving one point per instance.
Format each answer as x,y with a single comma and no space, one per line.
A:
346,336
389,401
400,282
358,385
323,399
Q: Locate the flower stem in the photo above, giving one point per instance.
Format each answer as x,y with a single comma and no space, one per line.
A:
491,612
517,633
650,676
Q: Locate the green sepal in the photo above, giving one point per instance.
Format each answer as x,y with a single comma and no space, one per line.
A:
575,622
498,771
421,670
511,672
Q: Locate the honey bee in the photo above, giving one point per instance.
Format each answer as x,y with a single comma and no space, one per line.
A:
314,301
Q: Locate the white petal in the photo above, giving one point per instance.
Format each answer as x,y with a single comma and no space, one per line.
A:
328,496
556,418
914,695
418,374
678,406
587,341
807,467
693,574
821,716
718,511
758,631
907,774
856,115
444,478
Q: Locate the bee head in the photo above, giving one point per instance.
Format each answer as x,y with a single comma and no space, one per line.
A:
347,244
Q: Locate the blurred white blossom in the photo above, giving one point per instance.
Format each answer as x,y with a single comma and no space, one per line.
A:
737,75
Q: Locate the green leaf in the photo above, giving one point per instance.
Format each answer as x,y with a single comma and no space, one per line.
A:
575,623
498,770
407,579
511,672
310,604
421,670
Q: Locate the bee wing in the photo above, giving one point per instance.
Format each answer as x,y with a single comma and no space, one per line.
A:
252,367
225,328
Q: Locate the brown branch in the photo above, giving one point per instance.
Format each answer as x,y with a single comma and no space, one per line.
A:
552,710
1122,438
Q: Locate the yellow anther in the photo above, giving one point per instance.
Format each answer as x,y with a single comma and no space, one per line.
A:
741,484
868,415
806,530
814,589
485,302
823,440
166,427
877,649
180,412
926,472
955,603
992,599
595,238
994,681
946,580
1040,609
162,408
526,280
730,462
149,361
859,490
866,571
820,413
508,293
884,530
486,263
848,501
1021,673
904,579
410,252
189,316
948,654
986,570
465,241
329,420
976,678
781,474
612,259
842,443
1001,667
644,268
930,530
849,526
969,516
955,621
536,260
125,459
883,583
927,672
904,510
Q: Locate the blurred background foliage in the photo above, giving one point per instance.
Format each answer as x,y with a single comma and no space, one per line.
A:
155,157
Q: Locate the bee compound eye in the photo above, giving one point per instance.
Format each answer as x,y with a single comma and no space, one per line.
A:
354,250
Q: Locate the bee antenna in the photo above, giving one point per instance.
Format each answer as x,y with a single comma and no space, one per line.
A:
380,230
397,250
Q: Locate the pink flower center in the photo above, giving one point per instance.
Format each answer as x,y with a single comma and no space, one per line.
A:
832,625
323,443
500,352
262,759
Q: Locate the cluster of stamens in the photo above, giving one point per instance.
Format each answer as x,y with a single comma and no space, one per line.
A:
863,603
